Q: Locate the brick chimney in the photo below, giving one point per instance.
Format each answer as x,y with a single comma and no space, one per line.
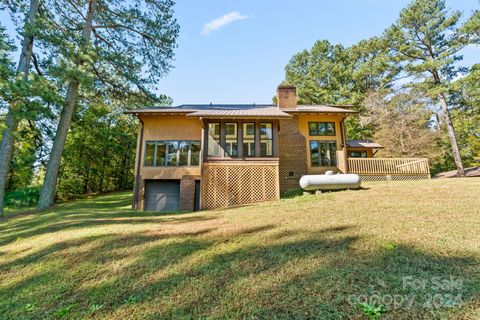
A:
286,96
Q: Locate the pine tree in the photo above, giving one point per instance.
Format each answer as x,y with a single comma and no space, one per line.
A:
426,40
120,49
14,111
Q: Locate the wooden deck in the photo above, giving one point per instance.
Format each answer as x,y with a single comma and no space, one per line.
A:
379,169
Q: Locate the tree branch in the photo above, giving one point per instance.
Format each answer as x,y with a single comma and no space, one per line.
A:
35,64
117,25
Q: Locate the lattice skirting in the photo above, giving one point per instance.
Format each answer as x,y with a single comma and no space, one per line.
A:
394,177
237,184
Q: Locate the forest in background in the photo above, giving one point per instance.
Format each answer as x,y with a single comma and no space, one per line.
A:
83,63
413,94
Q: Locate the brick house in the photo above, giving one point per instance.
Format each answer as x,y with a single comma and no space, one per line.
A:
193,157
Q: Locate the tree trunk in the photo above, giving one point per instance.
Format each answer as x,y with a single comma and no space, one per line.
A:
452,137
437,118
12,120
47,195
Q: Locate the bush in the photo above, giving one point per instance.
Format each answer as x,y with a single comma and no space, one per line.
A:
26,197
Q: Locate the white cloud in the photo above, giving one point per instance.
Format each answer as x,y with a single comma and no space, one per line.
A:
222,21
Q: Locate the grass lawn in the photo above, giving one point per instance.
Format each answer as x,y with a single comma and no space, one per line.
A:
414,246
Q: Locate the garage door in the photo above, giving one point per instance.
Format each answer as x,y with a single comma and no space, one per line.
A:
162,195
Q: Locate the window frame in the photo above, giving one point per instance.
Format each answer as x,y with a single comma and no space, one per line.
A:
357,151
317,123
165,163
225,154
254,141
199,143
260,139
219,155
328,142
154,153
244,155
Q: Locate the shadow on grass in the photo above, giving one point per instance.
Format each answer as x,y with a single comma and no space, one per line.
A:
260,273
101,211
294,193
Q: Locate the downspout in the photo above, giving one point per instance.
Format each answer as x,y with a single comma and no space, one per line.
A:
140,150
344,142
202,160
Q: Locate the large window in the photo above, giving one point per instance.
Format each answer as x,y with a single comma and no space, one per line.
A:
183,148
195,153
161,155
266,140
214,139
172,153
240,139
150,153
323,153
249,139
231,140
321,128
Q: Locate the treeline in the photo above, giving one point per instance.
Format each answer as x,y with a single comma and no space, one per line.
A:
413,93
80,66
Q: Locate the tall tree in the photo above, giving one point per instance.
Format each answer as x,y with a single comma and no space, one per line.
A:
131,49
373,68
467,116
333,74
99,152
322,74
13,115
402,124
6,66
47,195
472,27
426,40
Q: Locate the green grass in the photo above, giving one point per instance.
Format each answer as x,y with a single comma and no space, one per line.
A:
305,257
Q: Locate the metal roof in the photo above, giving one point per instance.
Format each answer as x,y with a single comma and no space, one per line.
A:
363,144
239,110
188,108
318,109
266,112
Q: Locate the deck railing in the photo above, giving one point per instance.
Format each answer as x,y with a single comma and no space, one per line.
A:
390,168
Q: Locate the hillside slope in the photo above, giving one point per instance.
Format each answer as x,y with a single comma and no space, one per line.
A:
302,258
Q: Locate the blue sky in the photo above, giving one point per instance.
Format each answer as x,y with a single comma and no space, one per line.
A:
235,51
243,61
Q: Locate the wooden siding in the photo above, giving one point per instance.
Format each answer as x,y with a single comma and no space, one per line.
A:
390,168
168,127
303,120
175,127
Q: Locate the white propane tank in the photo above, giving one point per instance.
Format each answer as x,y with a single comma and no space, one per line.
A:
330,181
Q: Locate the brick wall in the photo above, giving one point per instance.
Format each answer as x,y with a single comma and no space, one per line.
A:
138,193
187,192
286,96
292,153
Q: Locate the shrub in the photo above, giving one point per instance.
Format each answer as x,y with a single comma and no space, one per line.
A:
26,197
